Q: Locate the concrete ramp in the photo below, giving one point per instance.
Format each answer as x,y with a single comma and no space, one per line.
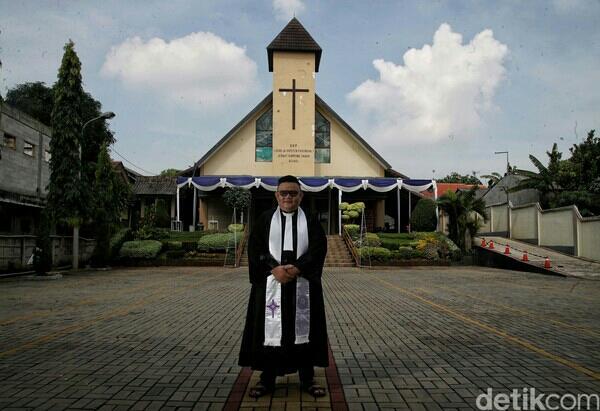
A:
560,264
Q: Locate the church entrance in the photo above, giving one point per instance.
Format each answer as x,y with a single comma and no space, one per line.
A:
317,204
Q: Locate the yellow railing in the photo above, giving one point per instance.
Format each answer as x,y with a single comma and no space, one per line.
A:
350,245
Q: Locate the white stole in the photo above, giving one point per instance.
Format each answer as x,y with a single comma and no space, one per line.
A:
273,292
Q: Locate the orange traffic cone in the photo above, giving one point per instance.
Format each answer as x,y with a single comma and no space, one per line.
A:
507,249
547,263
491,244
483,244
525,256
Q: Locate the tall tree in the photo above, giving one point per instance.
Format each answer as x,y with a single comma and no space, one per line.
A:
169,172
35,99
110,198
584,158
545,181
64,198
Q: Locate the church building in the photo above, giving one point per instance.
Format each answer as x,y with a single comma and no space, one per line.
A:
294,131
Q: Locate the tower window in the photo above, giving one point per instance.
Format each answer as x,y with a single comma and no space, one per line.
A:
29,149
264,137
322,139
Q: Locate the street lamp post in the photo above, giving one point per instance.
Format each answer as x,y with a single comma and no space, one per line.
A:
104,116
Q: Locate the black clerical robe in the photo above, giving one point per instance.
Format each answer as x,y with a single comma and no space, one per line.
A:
289,357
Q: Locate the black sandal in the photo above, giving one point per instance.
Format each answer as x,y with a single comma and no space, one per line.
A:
314,389
259,390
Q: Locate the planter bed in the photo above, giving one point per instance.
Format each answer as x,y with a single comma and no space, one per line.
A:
410,263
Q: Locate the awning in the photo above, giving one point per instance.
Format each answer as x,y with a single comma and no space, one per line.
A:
310,184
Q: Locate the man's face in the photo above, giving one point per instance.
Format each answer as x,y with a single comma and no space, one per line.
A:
288,196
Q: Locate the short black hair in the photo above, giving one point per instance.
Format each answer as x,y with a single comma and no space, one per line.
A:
287,179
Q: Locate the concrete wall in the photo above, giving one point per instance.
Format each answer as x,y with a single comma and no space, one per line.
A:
562,229
556,229
524,223
21,173
589,238
499,218
15,251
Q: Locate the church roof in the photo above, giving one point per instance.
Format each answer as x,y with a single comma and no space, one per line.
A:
320,103
294,37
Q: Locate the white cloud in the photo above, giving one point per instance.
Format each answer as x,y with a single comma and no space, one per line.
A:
285,9
200,70
441,90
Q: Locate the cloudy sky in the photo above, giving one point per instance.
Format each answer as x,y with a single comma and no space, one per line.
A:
434,86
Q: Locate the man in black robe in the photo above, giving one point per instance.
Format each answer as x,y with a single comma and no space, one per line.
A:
287,354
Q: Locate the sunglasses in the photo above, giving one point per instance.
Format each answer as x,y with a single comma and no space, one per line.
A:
291,194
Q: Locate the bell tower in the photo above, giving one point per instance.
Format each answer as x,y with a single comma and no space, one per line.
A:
294,59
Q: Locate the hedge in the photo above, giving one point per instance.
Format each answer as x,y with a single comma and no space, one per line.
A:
423,217
140,249
374,253
217,242
406,253
395,243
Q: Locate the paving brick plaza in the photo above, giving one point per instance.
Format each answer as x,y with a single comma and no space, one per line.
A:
410,338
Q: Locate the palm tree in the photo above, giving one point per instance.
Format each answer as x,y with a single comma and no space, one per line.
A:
545,180
461,209
492,178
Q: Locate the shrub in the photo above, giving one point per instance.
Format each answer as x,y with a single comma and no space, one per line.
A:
117,240
368,240
217,242
352,229
423,217
406,253
151,233
235,228
143,249
398,236
352,211
374,253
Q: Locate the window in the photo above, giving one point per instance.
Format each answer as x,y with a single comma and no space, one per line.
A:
264,137
10,141
47,156
28,149
322,139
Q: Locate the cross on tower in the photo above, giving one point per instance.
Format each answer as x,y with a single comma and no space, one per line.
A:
294,90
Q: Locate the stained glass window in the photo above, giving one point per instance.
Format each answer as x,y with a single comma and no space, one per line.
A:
322,139
264,137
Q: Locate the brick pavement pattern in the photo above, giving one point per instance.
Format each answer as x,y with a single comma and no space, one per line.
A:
420,338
